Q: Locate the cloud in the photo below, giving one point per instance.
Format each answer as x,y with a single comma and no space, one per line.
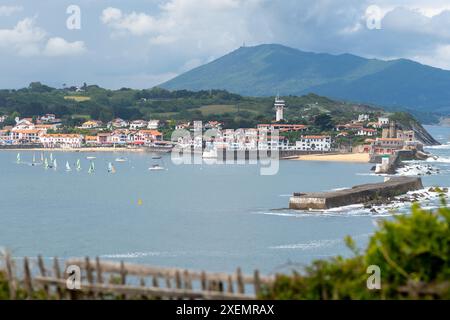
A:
6,11
24,38
59,47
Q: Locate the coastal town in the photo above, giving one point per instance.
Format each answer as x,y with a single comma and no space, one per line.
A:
375,134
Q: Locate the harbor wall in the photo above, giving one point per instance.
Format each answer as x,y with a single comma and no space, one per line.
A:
357,194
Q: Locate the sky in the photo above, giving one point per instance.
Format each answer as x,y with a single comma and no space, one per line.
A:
142,43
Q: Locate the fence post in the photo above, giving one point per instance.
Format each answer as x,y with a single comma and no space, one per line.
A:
44,274
10,274
123,276
230,285
27,278
240,281
57,274
257,283
204,282
89,275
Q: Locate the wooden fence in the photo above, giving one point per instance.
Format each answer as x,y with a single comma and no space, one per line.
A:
33,279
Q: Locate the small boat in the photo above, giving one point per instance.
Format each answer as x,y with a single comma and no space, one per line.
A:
91,168
33,162
68,168
111,168
210,154
18,158
91,157
121,159
156,167
78,165
156,157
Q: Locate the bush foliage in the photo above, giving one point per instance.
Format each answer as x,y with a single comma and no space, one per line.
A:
412,251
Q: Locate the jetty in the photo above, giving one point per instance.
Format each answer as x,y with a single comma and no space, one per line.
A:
358,194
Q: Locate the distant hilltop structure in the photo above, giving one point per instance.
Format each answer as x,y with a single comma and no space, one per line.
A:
280,104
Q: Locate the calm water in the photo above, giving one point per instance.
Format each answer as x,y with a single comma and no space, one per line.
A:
193,216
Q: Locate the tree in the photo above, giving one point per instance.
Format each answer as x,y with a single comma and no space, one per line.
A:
412,251
324,122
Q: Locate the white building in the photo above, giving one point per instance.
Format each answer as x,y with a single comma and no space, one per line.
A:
367,132
138,124
49,117
153,124
363,117
279,108
61,140
118,123
383,121
91,124
314,143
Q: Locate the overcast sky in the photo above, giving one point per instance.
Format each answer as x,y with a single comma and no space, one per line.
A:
141,43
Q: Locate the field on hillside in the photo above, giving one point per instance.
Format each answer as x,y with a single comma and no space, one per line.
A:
77,98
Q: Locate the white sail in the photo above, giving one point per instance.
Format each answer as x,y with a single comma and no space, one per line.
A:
46,163
42,157
51,157
68,166
18,158
55,165
91,168
111,168
78,165
34,158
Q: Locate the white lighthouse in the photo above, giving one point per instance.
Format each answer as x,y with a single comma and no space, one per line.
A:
279,107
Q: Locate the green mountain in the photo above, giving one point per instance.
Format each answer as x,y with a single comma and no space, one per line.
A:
266,70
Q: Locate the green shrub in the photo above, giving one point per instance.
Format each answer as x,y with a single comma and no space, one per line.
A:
409,249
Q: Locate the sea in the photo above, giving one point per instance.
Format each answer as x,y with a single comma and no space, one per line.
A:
210,217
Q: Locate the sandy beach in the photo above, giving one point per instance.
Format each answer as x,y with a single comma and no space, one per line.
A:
345,157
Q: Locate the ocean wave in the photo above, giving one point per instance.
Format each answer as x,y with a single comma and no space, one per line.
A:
439,159
133,255
309,245
442,146
399,206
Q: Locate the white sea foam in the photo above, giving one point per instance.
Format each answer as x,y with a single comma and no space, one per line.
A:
131,255
309,245
340,189
439,159
442,146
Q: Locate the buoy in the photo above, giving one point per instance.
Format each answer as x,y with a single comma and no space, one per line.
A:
140,202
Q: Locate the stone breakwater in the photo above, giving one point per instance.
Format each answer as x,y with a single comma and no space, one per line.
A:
358,194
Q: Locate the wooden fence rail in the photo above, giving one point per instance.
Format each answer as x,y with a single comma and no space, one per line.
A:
118,280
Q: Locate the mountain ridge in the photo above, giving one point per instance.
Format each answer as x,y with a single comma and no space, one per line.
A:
268,69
